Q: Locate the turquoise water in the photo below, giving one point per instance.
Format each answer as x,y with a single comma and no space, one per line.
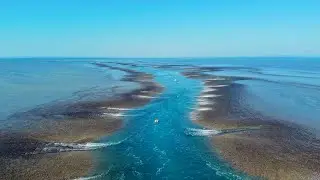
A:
163,150
284,88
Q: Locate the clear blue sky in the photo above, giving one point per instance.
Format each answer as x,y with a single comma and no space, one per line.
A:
159,28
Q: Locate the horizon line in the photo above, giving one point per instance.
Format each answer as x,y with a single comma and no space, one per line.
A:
146,57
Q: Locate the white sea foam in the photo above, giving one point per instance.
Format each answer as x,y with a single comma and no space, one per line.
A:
194,75
205,103
220,171
215,79
119,109
144,91
99,176
205,109
205,100
218,86
65,147
201,132
113,114
194,115
144,96
208,89
90,177
209,96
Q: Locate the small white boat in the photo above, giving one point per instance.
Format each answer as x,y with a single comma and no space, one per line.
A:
156,121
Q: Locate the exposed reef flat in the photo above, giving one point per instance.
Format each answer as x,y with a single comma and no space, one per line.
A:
48,143
258,145
67,165
18,160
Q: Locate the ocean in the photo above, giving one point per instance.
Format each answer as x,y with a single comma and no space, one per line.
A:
282,88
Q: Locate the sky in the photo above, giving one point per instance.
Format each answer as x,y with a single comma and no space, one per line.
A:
159,28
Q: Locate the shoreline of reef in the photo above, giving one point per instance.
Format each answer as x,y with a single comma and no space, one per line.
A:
250,142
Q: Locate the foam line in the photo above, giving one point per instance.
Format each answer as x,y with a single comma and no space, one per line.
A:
201,132
218,86
119,114
236,130
204,109
114,114
214,132
204,103
99,176
144,96
215,79
66,147
145,91
209,96
90,177
207,89
120,109
194,115
204,99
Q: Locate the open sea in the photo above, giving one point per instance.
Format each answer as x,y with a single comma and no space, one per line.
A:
283,88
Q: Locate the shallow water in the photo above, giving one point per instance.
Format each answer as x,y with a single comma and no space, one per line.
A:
173,148
163,150
26,83
287,93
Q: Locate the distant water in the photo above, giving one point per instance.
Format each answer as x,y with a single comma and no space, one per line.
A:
283,88
26,83
286,90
